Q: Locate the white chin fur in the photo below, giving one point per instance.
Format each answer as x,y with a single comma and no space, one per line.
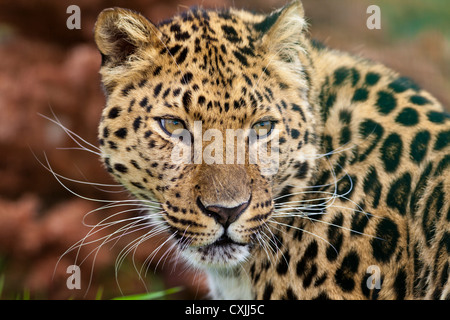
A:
216,257
222,265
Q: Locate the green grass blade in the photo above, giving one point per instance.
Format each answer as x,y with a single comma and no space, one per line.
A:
2,284
151,295
99,294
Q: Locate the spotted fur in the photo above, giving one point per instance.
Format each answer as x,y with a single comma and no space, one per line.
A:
364,170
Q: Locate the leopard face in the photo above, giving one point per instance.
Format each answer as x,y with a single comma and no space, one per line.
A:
221,72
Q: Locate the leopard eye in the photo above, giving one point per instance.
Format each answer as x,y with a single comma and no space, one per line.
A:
263,128
171,125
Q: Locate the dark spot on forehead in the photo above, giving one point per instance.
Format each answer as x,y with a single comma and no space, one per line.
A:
157,90
127,89
242,59
187,97
231,34
187,77
173,50
156,72
182,56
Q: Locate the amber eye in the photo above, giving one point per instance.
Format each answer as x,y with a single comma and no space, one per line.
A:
263,128
171,125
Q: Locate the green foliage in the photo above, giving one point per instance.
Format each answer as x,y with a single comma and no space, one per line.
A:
410,17
151,295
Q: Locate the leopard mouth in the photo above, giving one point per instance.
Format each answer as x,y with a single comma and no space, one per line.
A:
224,245
222,253
224,241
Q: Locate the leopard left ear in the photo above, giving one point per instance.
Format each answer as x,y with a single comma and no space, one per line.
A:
120,34
282,30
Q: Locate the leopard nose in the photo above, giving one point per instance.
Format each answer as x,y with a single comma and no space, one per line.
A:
223,215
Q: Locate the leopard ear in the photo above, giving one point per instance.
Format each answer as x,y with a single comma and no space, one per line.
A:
282,30
120,34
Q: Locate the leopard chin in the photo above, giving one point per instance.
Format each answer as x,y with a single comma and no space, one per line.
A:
224,253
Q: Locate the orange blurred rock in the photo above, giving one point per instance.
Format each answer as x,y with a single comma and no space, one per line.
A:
15,217
46,19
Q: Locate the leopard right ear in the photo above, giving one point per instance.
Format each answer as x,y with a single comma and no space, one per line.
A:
122,35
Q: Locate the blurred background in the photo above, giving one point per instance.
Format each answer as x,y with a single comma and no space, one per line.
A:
45,68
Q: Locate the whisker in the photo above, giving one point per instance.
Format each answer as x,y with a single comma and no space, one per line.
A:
270,248
121,203
309,187
303,230
67,188
72,135
165,255
132,247
338,150
48,168
97,250
155,252
263,244
105,239
334,225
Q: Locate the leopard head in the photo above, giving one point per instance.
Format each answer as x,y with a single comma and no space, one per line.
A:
187,104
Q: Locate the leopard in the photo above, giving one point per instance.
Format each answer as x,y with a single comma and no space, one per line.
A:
358,205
